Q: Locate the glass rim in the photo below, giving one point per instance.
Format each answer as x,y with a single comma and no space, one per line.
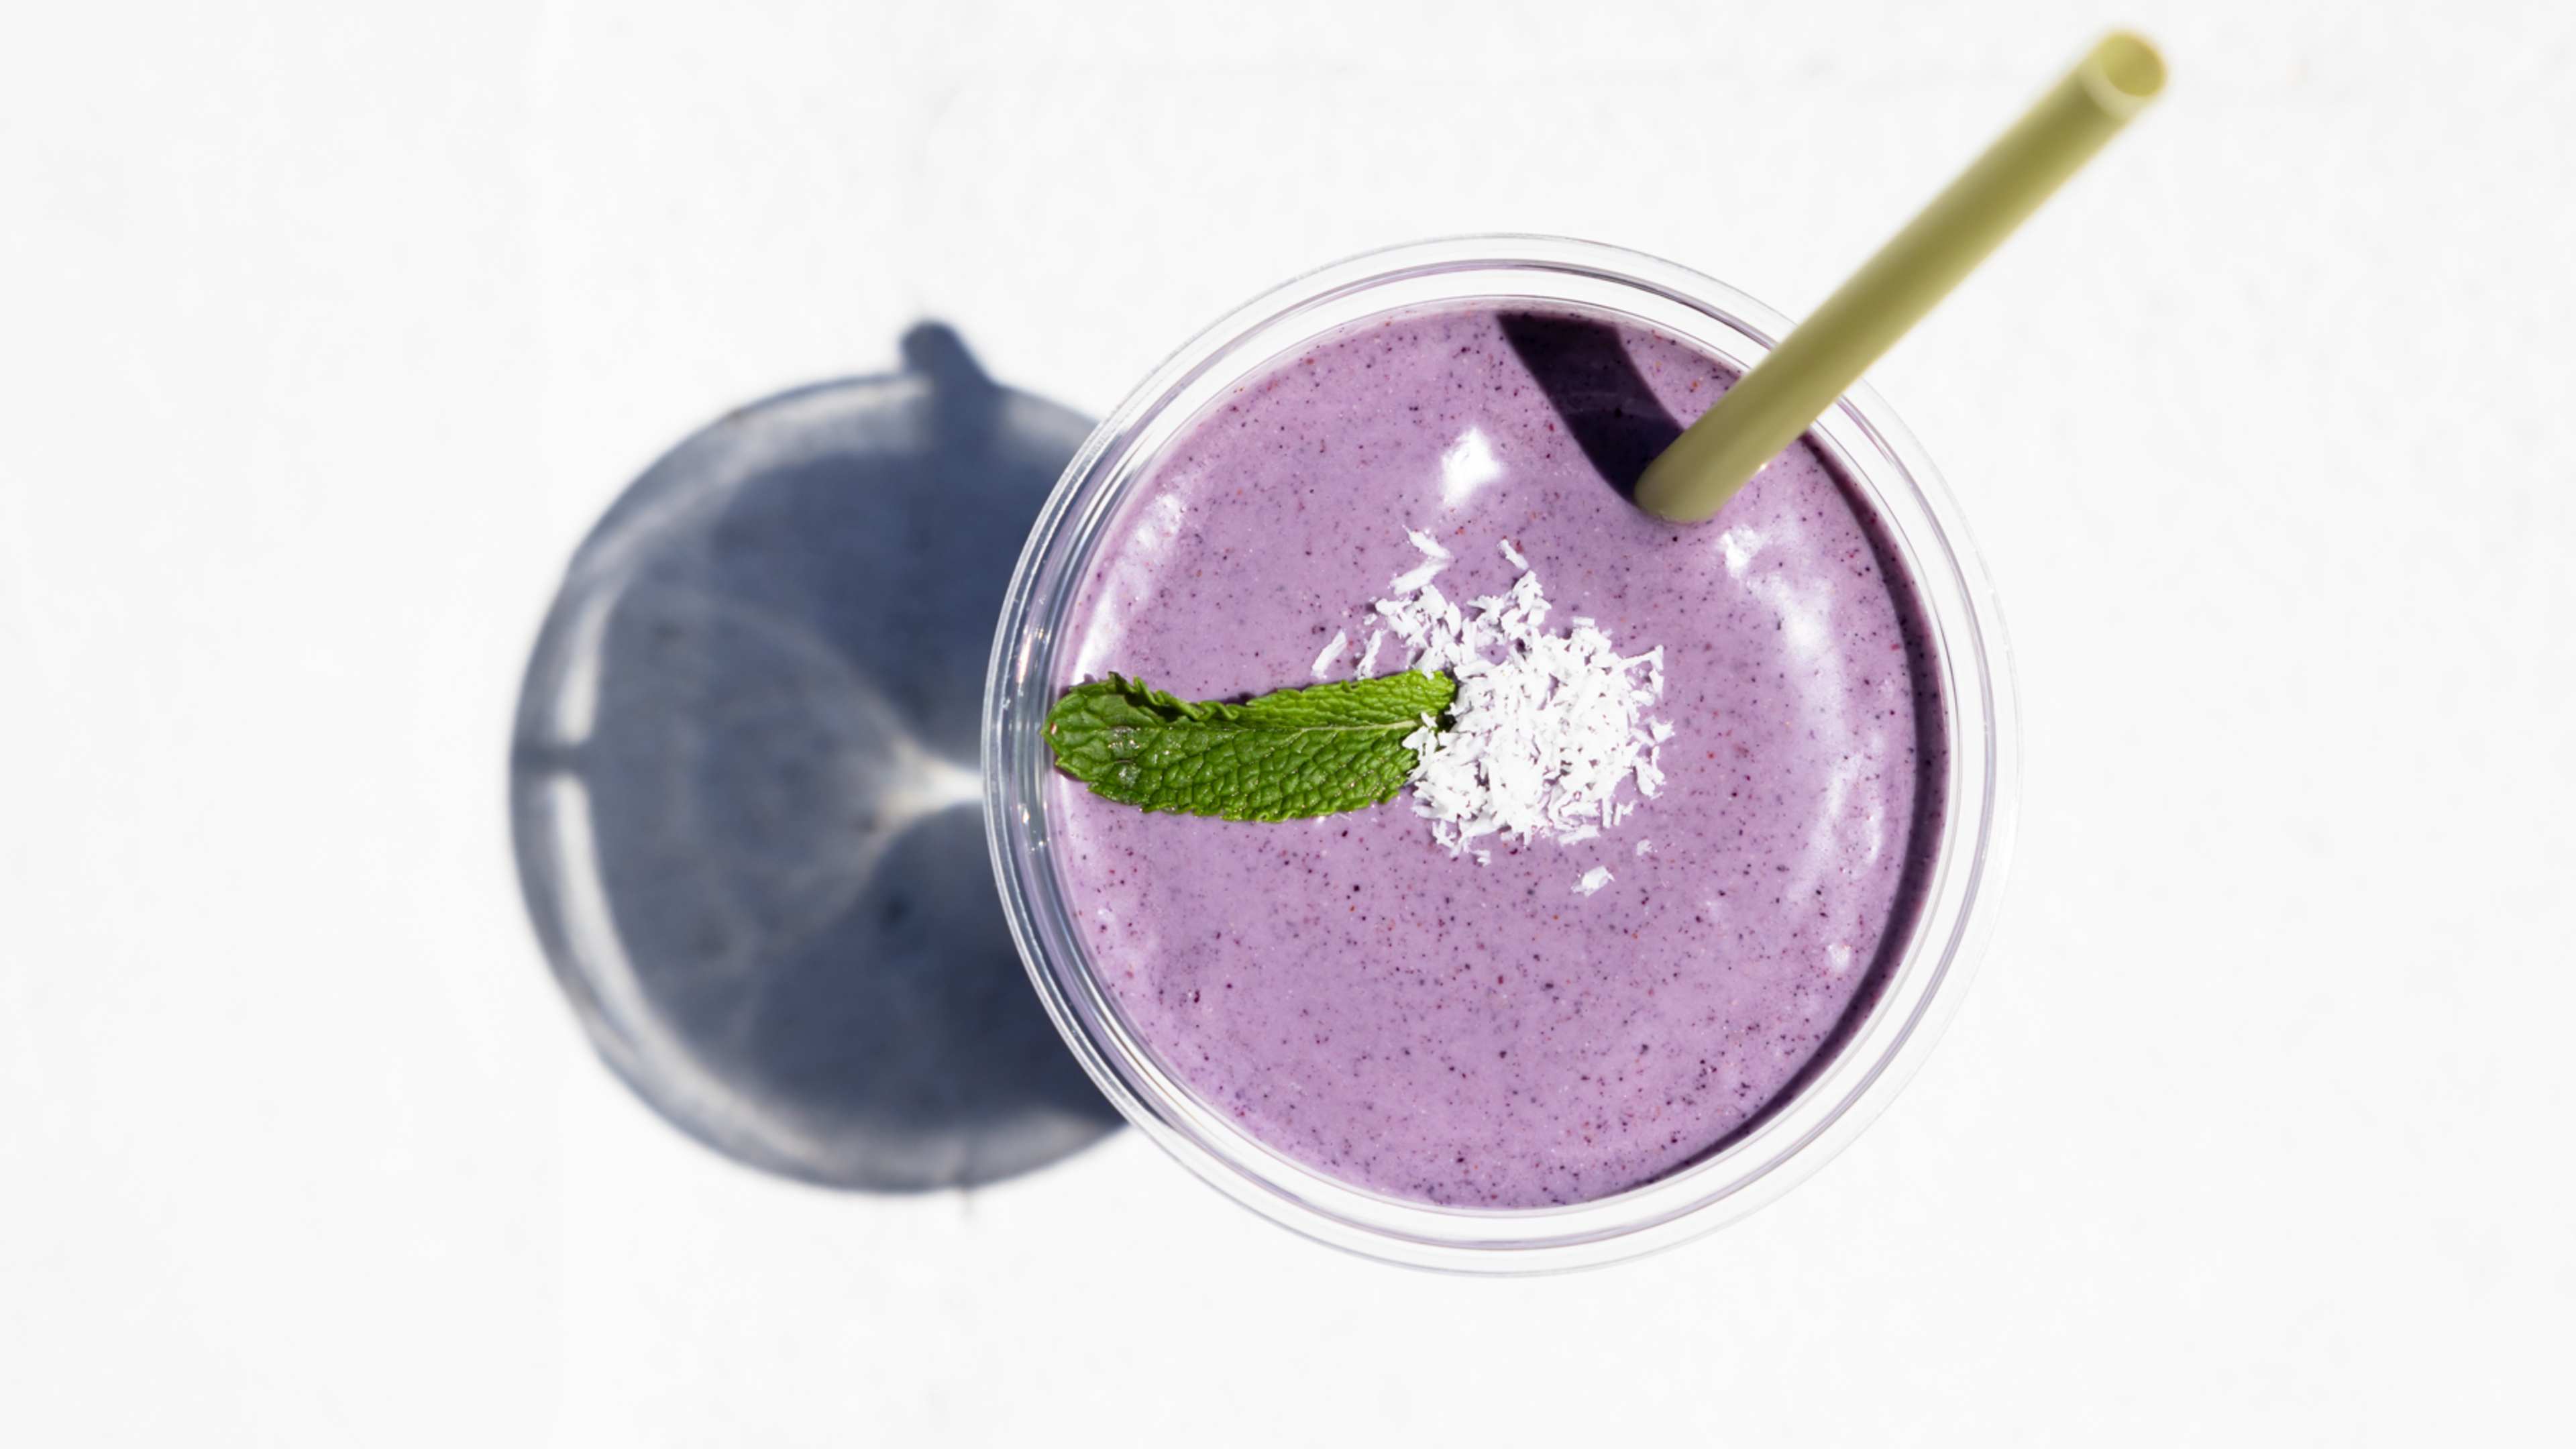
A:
1969,656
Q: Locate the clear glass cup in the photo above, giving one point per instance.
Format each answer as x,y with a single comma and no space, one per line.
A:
1875,453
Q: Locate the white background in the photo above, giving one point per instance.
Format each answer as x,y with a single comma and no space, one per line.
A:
326,330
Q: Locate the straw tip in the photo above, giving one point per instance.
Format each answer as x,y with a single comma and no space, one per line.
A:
2124,71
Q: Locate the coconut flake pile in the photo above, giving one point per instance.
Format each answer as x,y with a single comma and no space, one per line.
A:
1546,727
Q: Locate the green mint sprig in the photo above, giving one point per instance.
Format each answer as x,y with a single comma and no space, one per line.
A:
1288,755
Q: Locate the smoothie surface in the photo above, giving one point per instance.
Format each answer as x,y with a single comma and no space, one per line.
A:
1485,1034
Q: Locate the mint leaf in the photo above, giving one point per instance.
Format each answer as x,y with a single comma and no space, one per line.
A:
1286,755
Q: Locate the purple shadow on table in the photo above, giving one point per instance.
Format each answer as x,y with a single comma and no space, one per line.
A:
745,791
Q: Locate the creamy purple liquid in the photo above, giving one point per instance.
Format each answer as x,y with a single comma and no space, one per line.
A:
1422,1025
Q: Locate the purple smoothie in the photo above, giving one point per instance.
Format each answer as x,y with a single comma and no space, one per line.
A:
1484,1035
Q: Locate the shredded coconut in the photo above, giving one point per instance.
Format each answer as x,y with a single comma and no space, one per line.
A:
1514,555
1412,580
1593,880
1368,656
1546,727
1332,654
1427,544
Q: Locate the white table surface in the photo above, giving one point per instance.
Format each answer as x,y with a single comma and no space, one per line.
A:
328,329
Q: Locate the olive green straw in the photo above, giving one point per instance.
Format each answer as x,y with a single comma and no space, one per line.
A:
1772,404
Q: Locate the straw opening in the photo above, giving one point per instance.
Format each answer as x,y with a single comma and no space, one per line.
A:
2124,72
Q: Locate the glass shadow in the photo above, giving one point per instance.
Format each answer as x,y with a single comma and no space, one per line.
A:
745,795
